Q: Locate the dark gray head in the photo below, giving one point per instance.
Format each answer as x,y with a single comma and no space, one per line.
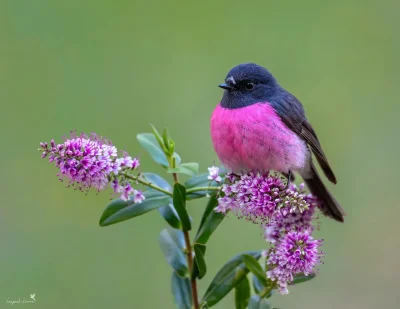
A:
247,84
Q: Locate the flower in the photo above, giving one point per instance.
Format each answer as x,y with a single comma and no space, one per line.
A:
138,196
295,212
91,162
285,213
214,174
127,161
265,199
254,196
126,192
297,253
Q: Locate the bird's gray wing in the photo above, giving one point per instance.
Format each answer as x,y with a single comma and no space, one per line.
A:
292,114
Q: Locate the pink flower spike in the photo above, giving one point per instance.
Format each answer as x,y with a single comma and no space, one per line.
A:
88,162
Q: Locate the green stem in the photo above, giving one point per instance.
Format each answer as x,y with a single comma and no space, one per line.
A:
193,282
202,189
146,183
267,290
189,250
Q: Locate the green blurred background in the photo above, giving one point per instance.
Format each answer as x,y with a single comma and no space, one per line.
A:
114,66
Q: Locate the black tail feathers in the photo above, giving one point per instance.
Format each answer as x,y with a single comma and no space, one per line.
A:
330,207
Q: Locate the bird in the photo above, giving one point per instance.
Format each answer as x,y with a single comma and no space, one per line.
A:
259,126
33,296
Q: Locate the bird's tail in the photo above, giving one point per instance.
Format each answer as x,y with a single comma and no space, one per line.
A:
330,207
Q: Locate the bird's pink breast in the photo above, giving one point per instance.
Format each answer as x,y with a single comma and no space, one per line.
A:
255,138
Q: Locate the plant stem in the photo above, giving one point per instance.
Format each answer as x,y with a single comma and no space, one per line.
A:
175,175
146,183
195,189
189,256
193,282
267,290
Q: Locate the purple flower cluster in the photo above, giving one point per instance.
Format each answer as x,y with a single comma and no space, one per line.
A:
260,198
296,253
295,212
91,162
285,214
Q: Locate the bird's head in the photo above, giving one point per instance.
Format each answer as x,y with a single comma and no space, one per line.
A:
247,84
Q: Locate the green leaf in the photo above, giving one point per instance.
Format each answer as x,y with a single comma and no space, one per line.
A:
228,277
200,267
177,158
255,267
158,137
179,198
242,294
199,181
165,138
168,211
171,216
300,278
208,224
168,142
212,203
257,303
171,147
209,221
258,285
190,169
173,246
157,180
181,291
150,143
119,210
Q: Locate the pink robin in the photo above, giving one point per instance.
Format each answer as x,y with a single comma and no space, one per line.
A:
259,126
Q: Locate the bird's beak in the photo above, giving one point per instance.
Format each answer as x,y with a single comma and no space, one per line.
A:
225,86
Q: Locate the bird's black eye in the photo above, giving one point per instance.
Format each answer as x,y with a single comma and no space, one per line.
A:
249,86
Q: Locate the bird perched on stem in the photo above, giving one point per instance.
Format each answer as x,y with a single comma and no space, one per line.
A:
259,126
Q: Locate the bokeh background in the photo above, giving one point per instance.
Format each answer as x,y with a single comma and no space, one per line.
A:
115,66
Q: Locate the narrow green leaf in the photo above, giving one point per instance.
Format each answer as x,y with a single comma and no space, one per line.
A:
179,198
158,137
190,169
228,277
168,211
255,267
168,143
181,291
258,285
177,158
199,181
200,267
165,138
171,147
172,245
209,221
208,224
157,180
119,210
212,203
300,278
170,215
257,303
242,294
150,143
